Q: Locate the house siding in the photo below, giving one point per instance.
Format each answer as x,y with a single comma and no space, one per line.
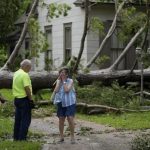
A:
76,17
104,13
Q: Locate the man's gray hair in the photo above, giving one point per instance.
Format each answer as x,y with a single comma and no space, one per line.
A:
25,62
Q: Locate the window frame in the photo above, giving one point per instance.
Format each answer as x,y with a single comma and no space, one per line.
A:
67,49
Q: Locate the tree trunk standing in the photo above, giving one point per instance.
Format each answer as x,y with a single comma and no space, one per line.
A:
83,36
116,63
110,32
22,37
42,80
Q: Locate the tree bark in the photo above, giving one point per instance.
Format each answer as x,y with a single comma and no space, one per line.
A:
110,32
45,80
22,37
83,36
91,109
40,80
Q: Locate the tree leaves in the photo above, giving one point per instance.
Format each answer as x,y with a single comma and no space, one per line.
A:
55,10
8,14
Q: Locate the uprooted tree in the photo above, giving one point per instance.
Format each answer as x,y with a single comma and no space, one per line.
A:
137,24
83,78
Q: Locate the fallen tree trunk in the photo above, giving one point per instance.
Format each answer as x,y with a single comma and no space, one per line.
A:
97,109
41,80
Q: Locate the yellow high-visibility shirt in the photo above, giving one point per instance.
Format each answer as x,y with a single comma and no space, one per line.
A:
21,79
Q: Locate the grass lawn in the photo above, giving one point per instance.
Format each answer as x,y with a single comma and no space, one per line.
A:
7,94
6,127
124,121
131,121
41,94
9,145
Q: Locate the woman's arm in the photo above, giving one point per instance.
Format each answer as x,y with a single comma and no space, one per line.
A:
57,86
67,87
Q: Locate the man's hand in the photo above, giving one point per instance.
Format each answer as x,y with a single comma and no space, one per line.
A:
28,92
2,100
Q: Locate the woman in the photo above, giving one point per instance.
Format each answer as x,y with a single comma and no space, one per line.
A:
66,102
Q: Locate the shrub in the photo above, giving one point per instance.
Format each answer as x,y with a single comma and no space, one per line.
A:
114,95
141,142
7,109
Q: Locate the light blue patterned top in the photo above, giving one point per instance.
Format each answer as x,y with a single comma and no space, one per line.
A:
67,98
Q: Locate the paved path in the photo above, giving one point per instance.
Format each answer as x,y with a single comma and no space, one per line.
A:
89,136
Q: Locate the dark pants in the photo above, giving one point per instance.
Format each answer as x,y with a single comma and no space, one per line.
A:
22,118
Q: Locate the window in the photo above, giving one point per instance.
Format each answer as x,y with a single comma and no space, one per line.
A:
117,47
27,48
115,42
48,53
27,44
67,42
115,54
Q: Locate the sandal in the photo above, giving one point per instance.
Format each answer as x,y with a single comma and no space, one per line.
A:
73,141
61,141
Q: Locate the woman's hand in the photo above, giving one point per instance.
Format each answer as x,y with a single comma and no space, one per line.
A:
63,78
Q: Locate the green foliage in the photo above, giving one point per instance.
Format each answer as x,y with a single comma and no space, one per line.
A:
9,145
10,11
38,40
55,10
3,55
89,94
45,111
101,60
5,128
24,5
7,109
97,25
8,14
16,64
71,63
116,96
141,142
43,94
86,70
132,20
145,59
48,64
7,94
131,121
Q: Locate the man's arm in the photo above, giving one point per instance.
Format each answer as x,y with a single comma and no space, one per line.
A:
28,92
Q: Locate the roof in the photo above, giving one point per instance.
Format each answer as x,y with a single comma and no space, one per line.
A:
21,20
80,3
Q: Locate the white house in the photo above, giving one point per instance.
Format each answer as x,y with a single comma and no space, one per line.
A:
64,35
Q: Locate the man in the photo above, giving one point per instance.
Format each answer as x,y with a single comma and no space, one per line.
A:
22,91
